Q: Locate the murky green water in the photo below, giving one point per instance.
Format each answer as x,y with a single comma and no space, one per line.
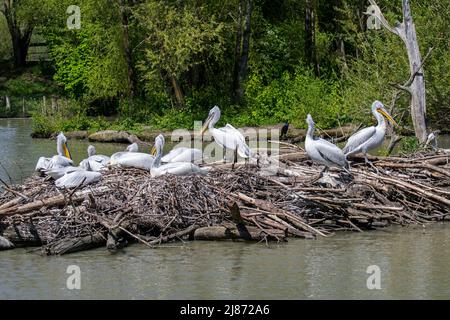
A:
414,262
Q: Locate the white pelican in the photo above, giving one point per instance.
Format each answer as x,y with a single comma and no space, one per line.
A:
62,159
227,137
175,168
82,176
96,161
372,137
183,154
137,160
131,148
321,151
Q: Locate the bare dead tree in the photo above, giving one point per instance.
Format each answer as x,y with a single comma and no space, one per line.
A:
415,86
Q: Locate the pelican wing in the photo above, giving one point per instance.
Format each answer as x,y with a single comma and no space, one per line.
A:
135,160
330,152
355,142
42,164
57,173
231,138
178,169
183,154
76,178
59,162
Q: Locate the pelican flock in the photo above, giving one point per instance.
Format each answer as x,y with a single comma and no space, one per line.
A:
181,161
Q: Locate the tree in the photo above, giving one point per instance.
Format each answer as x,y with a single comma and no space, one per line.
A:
20,31
178,37
310,35
242,48
416,84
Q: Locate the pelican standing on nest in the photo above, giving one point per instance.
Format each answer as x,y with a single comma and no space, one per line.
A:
132,159
62,159
96,161
322,151
227,137
372,137
175,168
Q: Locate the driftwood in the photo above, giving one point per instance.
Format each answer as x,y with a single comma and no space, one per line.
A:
128,205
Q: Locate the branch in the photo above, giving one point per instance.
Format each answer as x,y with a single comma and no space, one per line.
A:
379,15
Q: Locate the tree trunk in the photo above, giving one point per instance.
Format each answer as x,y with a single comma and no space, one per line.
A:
242,50
8,103
310,36
418,94
127,50
20,37
416,84
178,92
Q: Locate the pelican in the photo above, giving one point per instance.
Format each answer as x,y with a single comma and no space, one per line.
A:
227,137
62,159
183,154
133,159
322,151
175,168
83,176
131,148
96,161
372,137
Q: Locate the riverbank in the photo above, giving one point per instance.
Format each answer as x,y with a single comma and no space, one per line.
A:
243,204
148,135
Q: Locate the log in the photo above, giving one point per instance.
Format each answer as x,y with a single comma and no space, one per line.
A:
217,233
71,245
24,235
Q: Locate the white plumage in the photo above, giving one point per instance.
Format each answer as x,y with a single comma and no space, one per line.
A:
131,148
96,162
175,168
372,137
322,151
183,154
78,178
62,159
227,137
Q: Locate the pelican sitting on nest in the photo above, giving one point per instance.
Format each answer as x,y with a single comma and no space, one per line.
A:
62,159
372,137
133,159
175,168
134,148
227,137
183,154
96,161
84,176
321,151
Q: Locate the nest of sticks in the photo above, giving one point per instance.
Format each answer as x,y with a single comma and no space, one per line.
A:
244,203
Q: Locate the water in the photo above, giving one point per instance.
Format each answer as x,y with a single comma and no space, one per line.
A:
414,261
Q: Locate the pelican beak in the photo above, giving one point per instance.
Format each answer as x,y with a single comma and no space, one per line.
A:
153,151
205,126
66,151
387,116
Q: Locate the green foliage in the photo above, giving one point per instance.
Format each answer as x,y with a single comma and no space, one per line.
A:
409,145
292,97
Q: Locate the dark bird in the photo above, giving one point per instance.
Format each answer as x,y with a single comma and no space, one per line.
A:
284,131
